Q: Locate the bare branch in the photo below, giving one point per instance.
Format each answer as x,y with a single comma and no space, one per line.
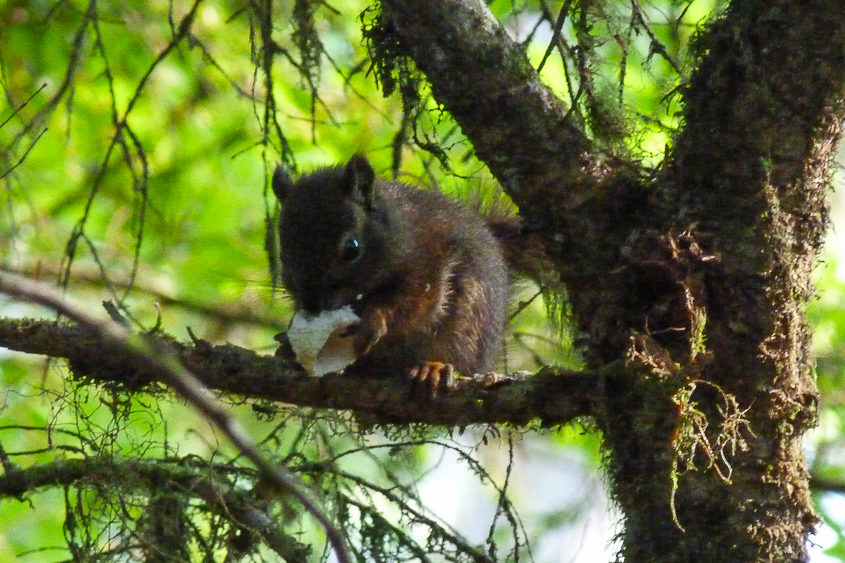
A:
22,105
556,38
24,155
656,46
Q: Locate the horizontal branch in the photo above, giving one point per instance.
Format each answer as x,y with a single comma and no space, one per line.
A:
827,485
552,396
126,473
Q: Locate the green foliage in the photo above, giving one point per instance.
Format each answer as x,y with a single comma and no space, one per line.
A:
825,452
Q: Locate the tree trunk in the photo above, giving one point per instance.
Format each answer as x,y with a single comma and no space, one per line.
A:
696,279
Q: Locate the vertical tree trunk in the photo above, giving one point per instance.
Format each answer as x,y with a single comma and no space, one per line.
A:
746,186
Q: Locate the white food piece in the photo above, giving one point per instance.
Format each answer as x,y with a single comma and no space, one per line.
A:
320,343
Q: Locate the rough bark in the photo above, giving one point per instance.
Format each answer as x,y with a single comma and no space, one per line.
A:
702,287
750,171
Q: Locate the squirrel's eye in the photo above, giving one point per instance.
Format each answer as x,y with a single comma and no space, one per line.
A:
350,250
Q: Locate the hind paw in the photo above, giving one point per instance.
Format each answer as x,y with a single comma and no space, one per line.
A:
434,376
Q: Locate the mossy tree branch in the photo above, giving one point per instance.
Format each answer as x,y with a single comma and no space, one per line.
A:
552,396
698,274
518,127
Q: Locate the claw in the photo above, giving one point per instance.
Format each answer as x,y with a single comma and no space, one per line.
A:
434,376
368,333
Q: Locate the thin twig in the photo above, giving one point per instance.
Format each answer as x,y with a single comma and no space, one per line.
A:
78,229
25,154
656,46
21,106
561,18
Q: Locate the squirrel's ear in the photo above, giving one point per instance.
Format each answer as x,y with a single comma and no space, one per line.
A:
282,184
360,177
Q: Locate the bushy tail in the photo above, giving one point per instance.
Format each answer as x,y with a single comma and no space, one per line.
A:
527,259
524,252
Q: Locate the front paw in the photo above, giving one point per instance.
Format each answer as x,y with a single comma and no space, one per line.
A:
368,333
433,376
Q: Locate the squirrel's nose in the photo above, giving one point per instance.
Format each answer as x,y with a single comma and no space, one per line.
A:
311,304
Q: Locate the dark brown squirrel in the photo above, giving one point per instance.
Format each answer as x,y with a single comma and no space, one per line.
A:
425,274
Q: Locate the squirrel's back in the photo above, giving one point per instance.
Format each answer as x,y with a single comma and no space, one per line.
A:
462,272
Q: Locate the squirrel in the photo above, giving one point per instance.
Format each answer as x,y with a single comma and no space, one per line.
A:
425,274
